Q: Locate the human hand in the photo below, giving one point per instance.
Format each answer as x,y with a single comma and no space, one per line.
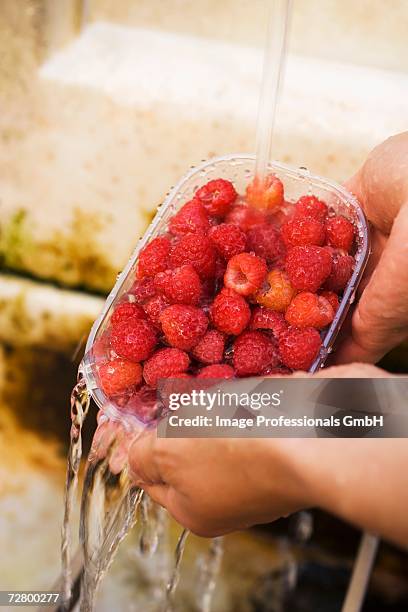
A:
214,486
380,320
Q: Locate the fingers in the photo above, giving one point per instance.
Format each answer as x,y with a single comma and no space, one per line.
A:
380,320
104,437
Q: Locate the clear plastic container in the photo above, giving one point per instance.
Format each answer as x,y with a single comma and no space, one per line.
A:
239,169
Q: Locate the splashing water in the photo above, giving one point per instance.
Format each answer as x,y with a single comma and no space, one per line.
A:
175,576
153,519
108,512
79,409
109,509
209,569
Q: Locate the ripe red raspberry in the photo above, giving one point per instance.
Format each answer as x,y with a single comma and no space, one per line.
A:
342,269
197,250
244,216
133,339
340,233
228,239
165,363
332,298
180,286
299,347
119,375
153,258
221,370
229,312
191,218
127,310
309,310
143,290
210,349
308,267
154,307
265,318
183,326
278,291
265,194
253,352
302,231
265,241
310,206
245,273
217,197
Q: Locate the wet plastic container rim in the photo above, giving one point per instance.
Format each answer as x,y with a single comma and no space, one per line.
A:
85,367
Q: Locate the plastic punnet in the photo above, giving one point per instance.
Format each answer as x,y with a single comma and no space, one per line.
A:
239,169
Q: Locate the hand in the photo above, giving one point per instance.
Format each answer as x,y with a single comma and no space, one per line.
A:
214,486
380,320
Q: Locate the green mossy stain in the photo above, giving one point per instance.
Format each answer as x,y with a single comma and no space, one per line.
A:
72,258
76,256
14,240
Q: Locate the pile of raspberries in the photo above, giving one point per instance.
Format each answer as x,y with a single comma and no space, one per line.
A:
237,286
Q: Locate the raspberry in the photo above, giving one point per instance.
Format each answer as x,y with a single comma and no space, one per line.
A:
302,231
118,375
183,326
153,258
221,370
180,286
278,293
244,216
127,310
165,363
228,239
309,310
210,349
299,347
342,269
154,307
191,218
253,352
308,267
217,197
143,290
143,404
310,206
229,312
245,273
265,241
340,233
265,318
133,339
197,250
332,298
265,194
